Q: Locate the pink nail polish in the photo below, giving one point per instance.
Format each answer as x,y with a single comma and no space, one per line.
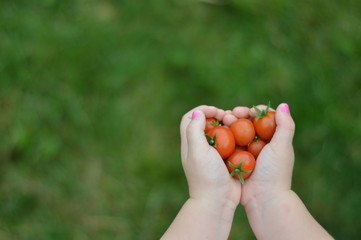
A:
285,108
196,115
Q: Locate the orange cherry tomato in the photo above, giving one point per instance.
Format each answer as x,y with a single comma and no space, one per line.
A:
240,165
256,147
222,139
265,123
240,148
211,123
243,131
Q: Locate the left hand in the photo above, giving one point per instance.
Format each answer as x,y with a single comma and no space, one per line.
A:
206,173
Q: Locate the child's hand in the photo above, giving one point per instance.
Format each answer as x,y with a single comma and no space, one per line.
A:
274,166
214,195
207,176
274,211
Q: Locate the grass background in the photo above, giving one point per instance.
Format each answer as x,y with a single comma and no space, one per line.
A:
92,92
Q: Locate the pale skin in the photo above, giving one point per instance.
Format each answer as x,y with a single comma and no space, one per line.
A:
274,211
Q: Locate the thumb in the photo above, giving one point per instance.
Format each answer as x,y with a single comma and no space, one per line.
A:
195,131
285,127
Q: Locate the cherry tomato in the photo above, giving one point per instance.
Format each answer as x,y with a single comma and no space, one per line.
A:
240,148
240,165
222,139
265,123
243,131
237,149
211,123
256,147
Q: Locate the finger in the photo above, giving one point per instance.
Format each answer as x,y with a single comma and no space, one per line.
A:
285,129
209,111
241,112
219,114
228,119
195,133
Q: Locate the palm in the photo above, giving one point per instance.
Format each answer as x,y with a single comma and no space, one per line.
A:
216,174
261,178
270,174
207,174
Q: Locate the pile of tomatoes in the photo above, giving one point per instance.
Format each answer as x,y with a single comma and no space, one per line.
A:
241,143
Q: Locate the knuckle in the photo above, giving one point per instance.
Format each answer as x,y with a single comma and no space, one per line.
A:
201,107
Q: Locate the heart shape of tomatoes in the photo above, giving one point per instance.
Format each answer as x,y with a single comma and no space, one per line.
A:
240,144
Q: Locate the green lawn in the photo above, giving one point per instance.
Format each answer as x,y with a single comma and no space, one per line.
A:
92,92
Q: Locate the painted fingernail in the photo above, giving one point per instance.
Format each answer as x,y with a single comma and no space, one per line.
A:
285,108
196,115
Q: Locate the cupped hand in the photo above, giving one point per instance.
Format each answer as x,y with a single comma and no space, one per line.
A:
206,173
205,170
273,172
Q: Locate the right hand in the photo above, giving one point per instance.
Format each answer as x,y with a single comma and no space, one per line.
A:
273,172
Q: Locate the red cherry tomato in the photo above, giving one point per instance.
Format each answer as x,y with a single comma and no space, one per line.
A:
243,131
256,147
222,139
211,123
241,164
265,123
240,148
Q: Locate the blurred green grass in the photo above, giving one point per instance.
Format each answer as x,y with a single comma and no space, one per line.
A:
92,92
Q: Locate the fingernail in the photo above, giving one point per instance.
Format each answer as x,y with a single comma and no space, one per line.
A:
285,108
196,115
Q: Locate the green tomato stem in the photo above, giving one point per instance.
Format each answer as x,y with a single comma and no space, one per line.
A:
238,170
